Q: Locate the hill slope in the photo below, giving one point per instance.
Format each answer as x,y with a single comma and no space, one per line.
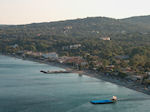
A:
87,27
143,21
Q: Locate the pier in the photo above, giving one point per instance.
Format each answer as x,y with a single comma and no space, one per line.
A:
51,72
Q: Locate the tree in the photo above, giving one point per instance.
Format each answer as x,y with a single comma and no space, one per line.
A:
105,62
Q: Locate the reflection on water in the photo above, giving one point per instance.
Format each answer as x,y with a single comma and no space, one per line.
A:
23,88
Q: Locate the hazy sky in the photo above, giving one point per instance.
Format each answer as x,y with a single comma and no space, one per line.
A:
29,11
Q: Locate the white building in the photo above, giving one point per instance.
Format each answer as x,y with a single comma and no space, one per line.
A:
52,55
74,46
105,38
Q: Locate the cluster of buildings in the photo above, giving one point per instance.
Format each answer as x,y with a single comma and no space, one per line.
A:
80,63
68,27
51,55
75,61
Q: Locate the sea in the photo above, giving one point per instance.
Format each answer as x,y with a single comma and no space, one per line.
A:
23,88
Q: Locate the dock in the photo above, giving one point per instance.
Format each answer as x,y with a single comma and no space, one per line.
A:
51,72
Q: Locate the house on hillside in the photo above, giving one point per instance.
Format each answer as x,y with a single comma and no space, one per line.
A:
52,56
73,46
33,53
105,38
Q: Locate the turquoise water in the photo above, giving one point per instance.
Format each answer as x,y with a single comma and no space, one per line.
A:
24,89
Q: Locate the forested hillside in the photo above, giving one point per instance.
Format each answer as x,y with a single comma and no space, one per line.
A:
127,38
142,21
88,27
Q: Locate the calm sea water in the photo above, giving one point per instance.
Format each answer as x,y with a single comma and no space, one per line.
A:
24,89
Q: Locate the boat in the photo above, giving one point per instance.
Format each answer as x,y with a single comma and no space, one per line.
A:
102,101
113,100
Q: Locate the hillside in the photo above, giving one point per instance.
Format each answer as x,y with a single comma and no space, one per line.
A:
81,37
87,27
143,21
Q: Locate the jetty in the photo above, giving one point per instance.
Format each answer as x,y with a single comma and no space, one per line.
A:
51,72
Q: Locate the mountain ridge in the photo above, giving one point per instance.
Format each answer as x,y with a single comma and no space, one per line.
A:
86,27
140,20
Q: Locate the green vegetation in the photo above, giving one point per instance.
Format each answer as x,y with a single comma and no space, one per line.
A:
128,39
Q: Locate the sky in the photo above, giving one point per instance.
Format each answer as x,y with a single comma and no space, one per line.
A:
35,11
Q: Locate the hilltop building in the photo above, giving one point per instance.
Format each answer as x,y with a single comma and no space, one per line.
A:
105,38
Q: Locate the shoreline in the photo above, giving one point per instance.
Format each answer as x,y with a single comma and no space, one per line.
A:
98,75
